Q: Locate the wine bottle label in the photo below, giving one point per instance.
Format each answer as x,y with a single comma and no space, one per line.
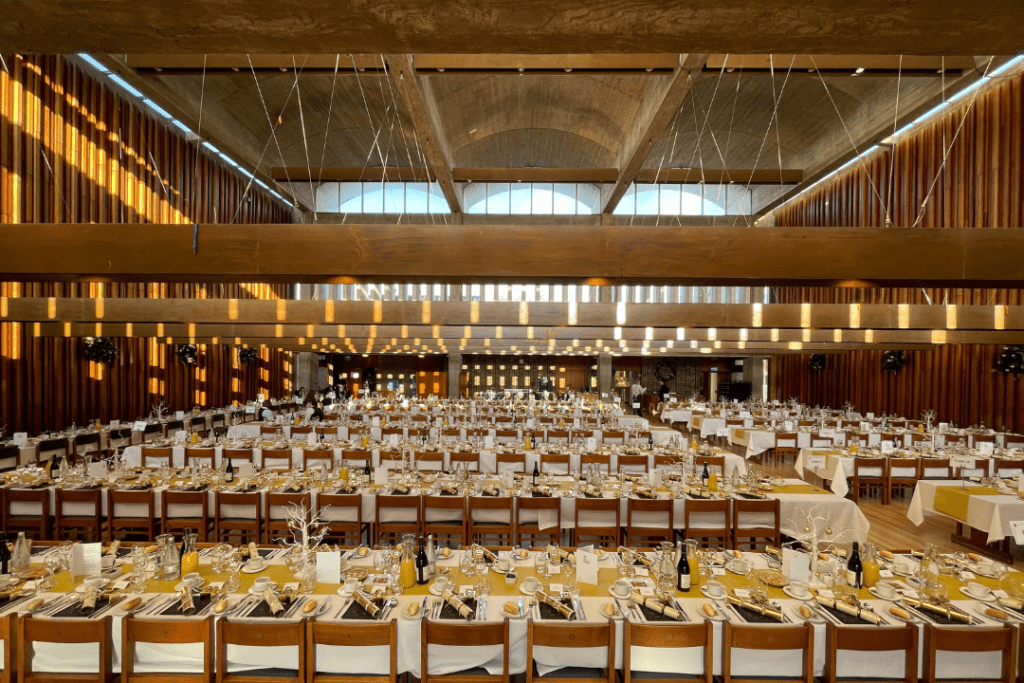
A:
853,578
684,582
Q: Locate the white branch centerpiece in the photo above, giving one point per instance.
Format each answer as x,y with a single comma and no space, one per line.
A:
308,531
928,416
814,530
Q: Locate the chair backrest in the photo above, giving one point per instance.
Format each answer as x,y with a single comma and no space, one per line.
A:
859,639
555,463
870,468
352,635
666,637
701,517
936,468
195,456
117,498
63,631
906,469
769,638
755,519
276,504
496,503
572,635
166,632
712,461
647,530
633,463
173,426
446,634
237,499
263,634
613,437
7,639
970,640
159,455
786,440
515,461
556,436
365,456
233,454
276,456
472,459
603,462
429,461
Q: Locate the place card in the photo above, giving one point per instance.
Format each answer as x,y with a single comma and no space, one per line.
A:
115,424
86,559
722,432
328,567
380,476
591,443
488,442
375,422
250,410
648,592
823,592
796,566
98,470
717,571
885,573
20,438
393,438
311,439
943,427
966,575
962,462
886,447
986,447
870,416
999,593
586,566
120,585
179,415
180,436
816,462
555,588
744,593
246,470
642,571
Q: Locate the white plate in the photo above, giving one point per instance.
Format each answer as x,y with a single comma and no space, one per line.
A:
894,598
500,572
704,592
719,614
81,587
805,596
434,590
815,618
987,598
980,609
616,595
252,589
344,593
182,585
405,614
509,615
525,591
247,569
982,569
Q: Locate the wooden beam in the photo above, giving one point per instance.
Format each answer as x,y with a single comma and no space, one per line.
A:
882,64
418,97
513,26
720,175
658,108
539,175
670,319
596,255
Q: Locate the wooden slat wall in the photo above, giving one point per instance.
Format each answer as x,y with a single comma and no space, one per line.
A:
71,150
981,185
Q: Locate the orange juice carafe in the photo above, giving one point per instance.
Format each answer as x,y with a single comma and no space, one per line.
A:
189,556
869,565
693,561
712,486
366,440
407,568
343,474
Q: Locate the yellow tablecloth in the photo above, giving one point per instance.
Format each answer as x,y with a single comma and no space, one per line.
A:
741,433
799,488
953,500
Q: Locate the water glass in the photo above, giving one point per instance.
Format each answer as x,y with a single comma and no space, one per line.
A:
234,579
309,579
137,582
483,585
467,563
542,564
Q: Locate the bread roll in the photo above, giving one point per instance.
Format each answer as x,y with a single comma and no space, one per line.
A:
35,604
737,554
311,605
446,552
364,551
221,605
899,612
886,554
709,609
512,607
975,557
609,609
996,613
132,604
805,611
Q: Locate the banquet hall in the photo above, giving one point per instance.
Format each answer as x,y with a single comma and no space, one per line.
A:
691,364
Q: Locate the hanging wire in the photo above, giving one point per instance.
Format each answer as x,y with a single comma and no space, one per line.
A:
401,126
327,128
768,129
199,134
273,129
895,122
305,141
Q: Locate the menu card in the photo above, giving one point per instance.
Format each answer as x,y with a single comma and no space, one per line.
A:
20,438
328,567
86,559
586,565
795,565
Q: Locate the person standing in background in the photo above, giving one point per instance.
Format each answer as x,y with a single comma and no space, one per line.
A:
636,393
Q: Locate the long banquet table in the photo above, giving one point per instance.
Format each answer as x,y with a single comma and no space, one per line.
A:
188,658
982,508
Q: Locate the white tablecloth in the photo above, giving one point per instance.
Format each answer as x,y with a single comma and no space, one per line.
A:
991,514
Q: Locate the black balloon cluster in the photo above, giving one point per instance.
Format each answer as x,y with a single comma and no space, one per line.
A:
893,361
248,356
188,354
817,362
100,350
370,379
1011,359
665,371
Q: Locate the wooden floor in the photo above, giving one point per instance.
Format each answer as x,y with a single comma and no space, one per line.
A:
890,527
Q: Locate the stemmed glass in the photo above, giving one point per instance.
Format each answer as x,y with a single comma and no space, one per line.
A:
542,564
467,563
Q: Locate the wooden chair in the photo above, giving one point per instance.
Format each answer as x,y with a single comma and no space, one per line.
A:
603,462
351,635
496,533
271,430
503,461
8,641
594,521
706,528
249,525
196,515
298,430
748,525
613,437
959,640
666,462
1007,468
36,523
172,428
198,426
632,464
474,634
557,436
275,506
152,432
52,450
317,459
87,444
936,468
714,462
785,445
358,457
645,534
471,459
142,523
157,457
572,635
903,475
768,638
821,441
276,458
236,455
61,632
429,462
392,531
666,636
506,435
343,514
170,632
439,513
870,474
91,523
554,463
269,634
903,639
199,456
531,531
330,433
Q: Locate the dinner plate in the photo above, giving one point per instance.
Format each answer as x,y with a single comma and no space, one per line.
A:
81,587
344,593
246,569
912,618
719,614
815,618
434,590
405,614
987,598
980,609
509,615
982,570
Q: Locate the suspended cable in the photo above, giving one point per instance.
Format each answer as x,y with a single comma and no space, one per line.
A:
892,151
305,141
194,190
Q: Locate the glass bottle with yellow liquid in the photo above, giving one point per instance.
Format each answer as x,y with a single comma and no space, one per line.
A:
869,565
693,560
713,481
189,556
407,566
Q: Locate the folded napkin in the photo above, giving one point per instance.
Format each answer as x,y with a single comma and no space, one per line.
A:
568,612
459,606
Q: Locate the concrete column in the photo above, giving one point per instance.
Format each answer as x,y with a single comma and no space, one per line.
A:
604,374
307,370
454,369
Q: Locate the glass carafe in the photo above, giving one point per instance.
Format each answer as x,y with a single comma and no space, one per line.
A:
189,556
407,567
170,568
667,568
869,562
693,560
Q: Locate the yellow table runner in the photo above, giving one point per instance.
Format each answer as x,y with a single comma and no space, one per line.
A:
741,433
953,500
799,488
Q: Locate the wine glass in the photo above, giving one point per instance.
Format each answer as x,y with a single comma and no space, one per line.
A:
467,563
542,564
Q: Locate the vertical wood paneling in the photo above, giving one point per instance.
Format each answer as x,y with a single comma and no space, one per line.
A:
981,185
73,151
